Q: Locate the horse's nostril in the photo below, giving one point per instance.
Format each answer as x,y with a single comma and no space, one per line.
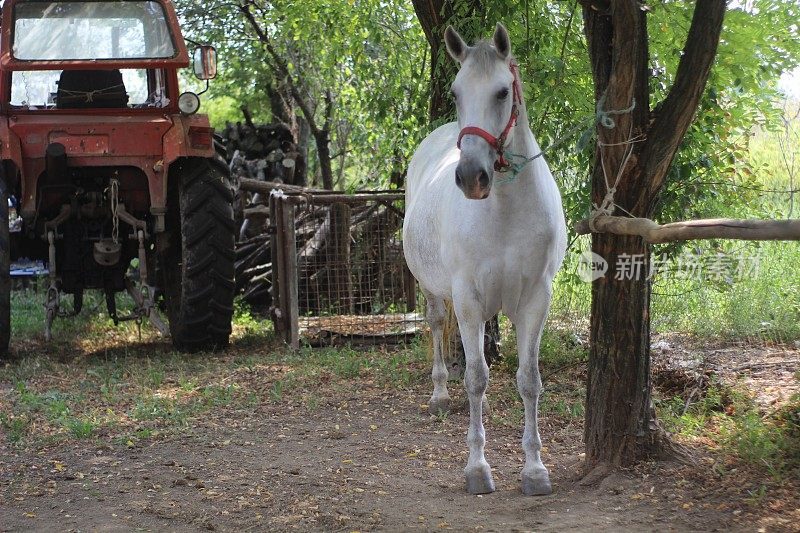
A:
459,181
483,179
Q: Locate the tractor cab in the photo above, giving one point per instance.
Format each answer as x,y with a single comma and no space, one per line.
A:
90,55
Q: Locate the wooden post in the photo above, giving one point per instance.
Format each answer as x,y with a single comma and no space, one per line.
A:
717,228
290,300
276,230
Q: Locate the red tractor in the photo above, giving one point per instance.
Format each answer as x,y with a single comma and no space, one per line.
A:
118,184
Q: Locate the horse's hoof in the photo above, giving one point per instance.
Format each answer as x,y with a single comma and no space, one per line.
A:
479,481
439,405
537,484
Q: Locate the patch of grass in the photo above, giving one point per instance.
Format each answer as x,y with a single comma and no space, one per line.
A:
159,408
311,401
557,349
154,377
278,388
247,327
728,417
15,426
563,407
763,302
28,398
187,384
218,396
397,370
57,409
80,428
771,442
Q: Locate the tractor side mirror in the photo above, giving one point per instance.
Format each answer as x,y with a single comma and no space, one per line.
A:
205,62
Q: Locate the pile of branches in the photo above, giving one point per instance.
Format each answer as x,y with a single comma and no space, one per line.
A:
349,258
264,152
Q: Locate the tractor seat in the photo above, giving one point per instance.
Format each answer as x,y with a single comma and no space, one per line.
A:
91,89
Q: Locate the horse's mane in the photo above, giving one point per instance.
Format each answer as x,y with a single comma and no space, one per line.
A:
484,54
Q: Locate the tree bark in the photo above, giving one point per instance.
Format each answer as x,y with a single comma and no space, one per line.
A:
620,426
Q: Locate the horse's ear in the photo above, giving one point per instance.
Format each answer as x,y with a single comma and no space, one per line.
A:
502,43
456,46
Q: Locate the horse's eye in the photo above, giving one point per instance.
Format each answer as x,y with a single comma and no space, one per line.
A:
502,94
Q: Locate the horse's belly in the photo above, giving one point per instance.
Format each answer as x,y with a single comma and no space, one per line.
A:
501,281
423,255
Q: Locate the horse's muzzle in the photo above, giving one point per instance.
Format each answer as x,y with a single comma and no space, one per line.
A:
474,182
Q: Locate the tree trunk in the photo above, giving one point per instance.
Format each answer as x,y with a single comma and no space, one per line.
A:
618,385
619,419
301,164
324,156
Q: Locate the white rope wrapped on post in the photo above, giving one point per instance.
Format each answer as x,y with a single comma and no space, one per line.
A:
601,219
715,228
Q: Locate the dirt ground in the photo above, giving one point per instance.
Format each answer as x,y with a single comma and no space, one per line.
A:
365,457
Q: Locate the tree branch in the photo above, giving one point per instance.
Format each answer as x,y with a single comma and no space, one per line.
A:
679,107
282,67
321,135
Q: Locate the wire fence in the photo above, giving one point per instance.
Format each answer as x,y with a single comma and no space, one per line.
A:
342,277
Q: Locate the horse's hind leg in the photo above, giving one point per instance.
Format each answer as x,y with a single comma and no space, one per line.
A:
440,400
476,379
530,324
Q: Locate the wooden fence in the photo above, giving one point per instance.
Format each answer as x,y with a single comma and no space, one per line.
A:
338,271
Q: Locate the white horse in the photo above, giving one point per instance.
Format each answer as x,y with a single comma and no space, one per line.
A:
494,245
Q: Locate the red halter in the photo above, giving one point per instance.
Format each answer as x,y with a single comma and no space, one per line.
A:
498,143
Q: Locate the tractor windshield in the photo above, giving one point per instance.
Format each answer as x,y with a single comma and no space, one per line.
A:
88,89
75,31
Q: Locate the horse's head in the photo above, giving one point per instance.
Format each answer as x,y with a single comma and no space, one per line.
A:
487,95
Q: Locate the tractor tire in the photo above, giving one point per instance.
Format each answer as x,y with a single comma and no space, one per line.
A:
197,265
5,274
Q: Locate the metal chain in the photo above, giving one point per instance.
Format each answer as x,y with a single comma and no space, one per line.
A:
114,210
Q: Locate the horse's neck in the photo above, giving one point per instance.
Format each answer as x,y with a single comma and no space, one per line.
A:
522,188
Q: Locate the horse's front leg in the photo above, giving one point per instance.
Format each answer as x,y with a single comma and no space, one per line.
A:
478,473
440,400
530,324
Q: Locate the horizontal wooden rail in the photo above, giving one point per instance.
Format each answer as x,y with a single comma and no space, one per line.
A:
715,228
301,195
265,187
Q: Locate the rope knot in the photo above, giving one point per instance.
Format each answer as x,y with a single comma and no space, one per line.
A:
604,115
606,208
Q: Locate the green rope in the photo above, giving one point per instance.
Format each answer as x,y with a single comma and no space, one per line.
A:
602,116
